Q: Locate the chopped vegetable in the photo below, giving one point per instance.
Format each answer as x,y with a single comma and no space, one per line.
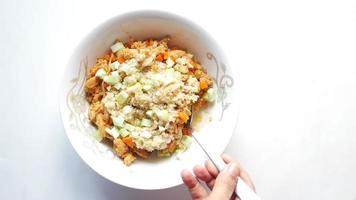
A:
149,113
97,135
118,121
121,59
135,88
129,67
128,141
129,127
118,86
160,57
204,84
101,73
123,132
146,122
170,62
115,65
163,115
113,78
113,132
122,97
117,47
165,55
209,95
127,109
183,117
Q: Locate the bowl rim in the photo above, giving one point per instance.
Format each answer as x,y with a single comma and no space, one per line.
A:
149,13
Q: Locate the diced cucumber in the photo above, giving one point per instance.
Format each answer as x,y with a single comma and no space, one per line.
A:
101,73
115,65
127,109
146,122
122,97
124,132
149,113
129,127
97,135
117,47
129,67
118,86
118,121
135,88
114,132
163,115
209,95
113,78
170,62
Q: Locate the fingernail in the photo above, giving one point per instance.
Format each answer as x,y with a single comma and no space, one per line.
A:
233,170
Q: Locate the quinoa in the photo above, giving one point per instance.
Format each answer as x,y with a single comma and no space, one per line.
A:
143,92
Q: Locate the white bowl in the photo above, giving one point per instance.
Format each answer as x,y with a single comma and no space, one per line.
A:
147,174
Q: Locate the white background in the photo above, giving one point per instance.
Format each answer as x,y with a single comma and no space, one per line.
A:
297,75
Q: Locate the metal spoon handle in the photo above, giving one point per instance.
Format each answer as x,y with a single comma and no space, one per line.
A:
242,190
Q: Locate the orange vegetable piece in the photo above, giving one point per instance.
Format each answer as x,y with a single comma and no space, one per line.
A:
129,142
165,55
174,58
121,59
160,57
183,117
204,84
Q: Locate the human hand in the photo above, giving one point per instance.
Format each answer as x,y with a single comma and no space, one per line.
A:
222,185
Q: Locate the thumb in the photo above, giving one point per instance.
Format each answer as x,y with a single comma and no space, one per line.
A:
225,183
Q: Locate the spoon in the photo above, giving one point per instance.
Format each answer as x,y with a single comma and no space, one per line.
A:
242,190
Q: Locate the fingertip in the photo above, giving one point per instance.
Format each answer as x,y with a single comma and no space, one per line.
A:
197,168
233,169
226,157
202,173
185,174
211,168
197,191
188,178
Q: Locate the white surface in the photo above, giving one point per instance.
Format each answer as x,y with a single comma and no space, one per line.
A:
297,70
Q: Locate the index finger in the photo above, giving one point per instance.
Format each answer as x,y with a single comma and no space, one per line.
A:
243,174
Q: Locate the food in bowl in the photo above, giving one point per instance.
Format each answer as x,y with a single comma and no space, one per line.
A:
141,96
